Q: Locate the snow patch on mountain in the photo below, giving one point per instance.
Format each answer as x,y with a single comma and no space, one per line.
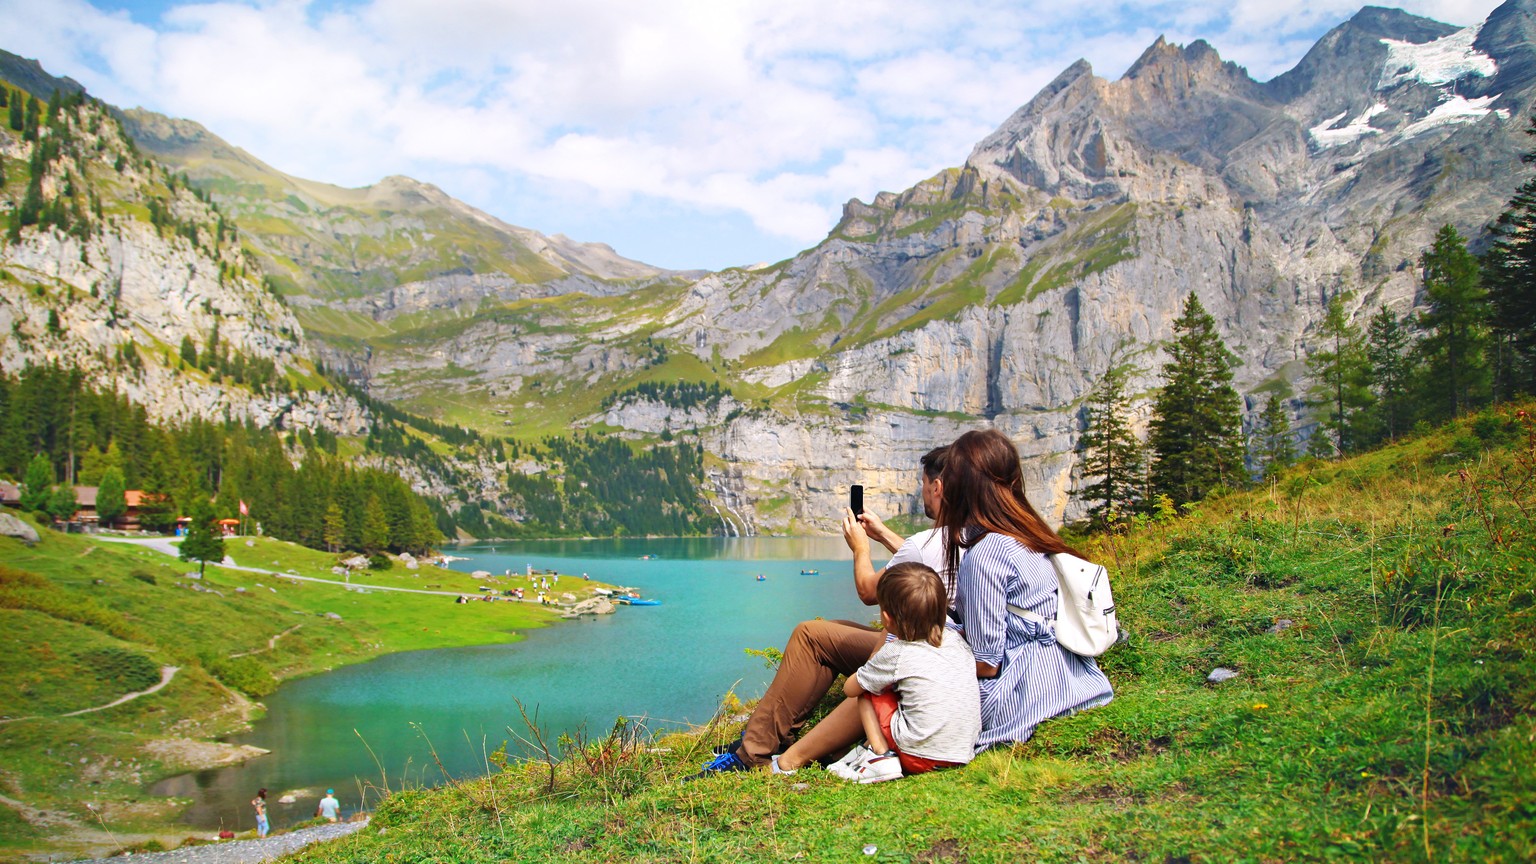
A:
1457,109
1442,61
1324,134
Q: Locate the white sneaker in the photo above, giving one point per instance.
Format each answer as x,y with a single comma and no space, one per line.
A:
777,769
877,769
845,766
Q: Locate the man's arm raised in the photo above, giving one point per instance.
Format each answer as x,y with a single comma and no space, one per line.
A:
879,533
865,577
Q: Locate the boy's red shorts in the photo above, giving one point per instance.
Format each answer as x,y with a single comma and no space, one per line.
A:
885,706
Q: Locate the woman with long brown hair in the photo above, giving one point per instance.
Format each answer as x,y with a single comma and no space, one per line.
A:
1026,677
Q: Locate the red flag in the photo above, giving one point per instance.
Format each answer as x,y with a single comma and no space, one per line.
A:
244,510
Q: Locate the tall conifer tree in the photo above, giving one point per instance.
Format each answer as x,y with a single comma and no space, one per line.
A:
111,497
1509,272
1274,447
1341,372
203,542
1196,430
37,483
1387,350
1453,351
1111,451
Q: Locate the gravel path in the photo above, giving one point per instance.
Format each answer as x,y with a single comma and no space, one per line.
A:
241,851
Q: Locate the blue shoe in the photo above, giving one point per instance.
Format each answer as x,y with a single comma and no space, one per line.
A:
721,764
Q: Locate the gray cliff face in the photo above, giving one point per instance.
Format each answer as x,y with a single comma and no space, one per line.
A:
1070,237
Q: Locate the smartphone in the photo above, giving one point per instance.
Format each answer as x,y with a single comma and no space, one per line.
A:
856,499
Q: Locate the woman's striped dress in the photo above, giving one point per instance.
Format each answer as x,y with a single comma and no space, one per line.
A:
1038,678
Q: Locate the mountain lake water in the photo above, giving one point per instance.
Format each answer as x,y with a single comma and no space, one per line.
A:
668,665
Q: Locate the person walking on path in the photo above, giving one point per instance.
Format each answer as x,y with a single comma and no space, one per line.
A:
260,803
819,651
329,807
1025,676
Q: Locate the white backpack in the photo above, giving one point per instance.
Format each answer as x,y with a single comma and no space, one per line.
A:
1085,610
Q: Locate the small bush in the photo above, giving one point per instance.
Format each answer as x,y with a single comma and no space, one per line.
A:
245,674
128,669
379,562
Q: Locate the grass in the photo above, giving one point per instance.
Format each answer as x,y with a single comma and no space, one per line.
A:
80,615
1390,720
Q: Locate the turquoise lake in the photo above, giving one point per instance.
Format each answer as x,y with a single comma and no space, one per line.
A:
669,664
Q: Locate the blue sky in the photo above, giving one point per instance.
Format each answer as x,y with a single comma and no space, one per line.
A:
684,133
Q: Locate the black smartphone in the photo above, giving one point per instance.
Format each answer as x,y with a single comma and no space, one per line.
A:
856,499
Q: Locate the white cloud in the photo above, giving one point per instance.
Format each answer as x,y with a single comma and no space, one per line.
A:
780,110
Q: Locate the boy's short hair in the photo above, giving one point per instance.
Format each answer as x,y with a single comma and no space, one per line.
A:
914,596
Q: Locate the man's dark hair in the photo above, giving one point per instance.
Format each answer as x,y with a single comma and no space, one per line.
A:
914,596
933,462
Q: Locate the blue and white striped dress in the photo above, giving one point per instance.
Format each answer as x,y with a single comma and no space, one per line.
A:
1038,679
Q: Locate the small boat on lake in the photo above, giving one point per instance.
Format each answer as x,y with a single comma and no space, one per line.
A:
809,572
635,601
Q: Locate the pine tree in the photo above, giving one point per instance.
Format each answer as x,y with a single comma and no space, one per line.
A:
1509,273
335,528
375,527
1341,372
1196,429
1453,351
1274,447
111,497
38,482
1110,451
1387,350
62,503
203,542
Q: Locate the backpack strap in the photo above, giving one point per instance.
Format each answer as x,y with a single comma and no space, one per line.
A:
1034,617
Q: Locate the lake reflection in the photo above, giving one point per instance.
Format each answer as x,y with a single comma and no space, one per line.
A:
670,664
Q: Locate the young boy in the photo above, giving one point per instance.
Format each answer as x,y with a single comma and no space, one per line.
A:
916,699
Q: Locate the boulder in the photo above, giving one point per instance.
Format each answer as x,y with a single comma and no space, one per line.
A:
593,606
1220,674
481,574
356,562
10,526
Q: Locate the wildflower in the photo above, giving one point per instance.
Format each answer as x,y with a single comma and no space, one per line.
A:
1260,706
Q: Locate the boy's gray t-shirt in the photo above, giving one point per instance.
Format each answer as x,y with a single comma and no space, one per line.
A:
940,703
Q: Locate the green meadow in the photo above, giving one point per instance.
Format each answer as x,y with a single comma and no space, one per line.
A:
1378,613
87,621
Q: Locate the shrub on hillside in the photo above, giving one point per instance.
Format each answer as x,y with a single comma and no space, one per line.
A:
245,674
20,589
120,666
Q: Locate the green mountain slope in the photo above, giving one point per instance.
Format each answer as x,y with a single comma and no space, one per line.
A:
1379,614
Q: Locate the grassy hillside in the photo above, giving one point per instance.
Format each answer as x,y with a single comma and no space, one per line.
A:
1379,613
86,621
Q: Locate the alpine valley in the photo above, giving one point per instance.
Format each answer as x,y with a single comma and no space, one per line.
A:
994,293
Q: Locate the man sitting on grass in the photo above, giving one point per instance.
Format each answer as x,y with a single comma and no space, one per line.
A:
819,651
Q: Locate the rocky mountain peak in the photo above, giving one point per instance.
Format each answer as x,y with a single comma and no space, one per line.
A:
1166,71
1510,35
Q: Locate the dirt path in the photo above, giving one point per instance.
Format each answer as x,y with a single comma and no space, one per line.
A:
243,851
166,674
271,644
164,544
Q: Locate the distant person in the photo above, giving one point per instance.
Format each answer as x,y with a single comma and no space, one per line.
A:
819,651
329,807
916,701
260,803
1025,676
